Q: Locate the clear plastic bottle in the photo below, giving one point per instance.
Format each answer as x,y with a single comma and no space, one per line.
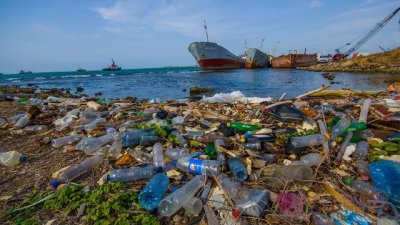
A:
253,145
22,122
11,158
193,206
290,172
90,145
361,152
130,174
368,191
362,169
344,145
75,171
148,140
364,110
194,134
92,125
307,141
64,123
177,153
116,147
206,191
198,166
182,140
179,198
311,159
132,138
238,169
340,127
73,113
141,156
36,128
158,156
67,140
324,130
14,119
249,201
151,195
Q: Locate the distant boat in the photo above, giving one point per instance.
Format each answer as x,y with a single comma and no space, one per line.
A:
255,58
80,70
112,67
294,60
25,72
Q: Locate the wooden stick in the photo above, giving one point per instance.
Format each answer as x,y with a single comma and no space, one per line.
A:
278,103
325,86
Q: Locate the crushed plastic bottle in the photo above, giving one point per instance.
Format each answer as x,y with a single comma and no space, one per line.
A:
14,119
130,174
23,122
238,169
179,198
77,170
67,140
132,138
198,166
158,156
385,176
291,172
11,158
340,127
249,201
90,145
367,191
116,147
64,123
192,135
193,206
311,159
177,153
151,195
36,128
92,125
361,152
307,141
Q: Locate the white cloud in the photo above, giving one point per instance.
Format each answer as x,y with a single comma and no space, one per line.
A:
315,3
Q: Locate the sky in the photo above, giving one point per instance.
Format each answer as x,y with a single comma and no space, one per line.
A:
47,35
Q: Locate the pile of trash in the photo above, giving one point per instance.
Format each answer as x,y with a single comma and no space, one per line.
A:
229,159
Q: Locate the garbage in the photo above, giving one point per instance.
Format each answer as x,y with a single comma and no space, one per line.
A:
237,168
198,166
67,140
384,175
11,158
235,96
130,174
158,156
151,195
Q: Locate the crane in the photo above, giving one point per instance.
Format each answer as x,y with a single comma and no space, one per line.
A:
365,38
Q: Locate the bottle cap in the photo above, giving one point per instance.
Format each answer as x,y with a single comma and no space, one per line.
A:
348,181
54,183
23,158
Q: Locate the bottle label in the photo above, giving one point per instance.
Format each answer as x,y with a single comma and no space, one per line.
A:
195,165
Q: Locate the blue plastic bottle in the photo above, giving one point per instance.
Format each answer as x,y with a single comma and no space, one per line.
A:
151,195
385,176
238,169
133,137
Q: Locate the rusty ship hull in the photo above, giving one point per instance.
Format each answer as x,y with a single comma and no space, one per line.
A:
294,60
211,56
255,58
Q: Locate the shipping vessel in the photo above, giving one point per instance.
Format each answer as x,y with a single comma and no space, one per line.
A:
113,66
211,56
294,60
255,58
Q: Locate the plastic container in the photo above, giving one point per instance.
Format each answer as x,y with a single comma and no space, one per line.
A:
92,125
75,171
361,152
307,141
385,176
36,128
151,195
90,145
132,138
238,169
11,158
177,153
131,174
67,140
179,198
158,156
243,127
249,201
198,166
362,169
340,127
368,191
364,110
22,122
182,140
344,145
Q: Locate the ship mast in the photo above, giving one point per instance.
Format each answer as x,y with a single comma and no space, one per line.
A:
205,28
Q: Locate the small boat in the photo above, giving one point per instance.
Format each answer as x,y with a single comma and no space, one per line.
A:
112,67
81,70
255,58
294,60
25,72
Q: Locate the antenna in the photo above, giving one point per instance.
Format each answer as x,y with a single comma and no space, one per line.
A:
245,44
205,28
262,43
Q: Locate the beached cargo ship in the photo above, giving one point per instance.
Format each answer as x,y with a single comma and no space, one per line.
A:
255,58
211,56
294,60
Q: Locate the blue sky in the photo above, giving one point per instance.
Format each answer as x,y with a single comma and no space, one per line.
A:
46,35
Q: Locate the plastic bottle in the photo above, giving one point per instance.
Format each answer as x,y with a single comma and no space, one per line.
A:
385,176
249,201
320,219
11,158
193,206
132,138
364,110
36,128
14,119
148,140
192,134
253,145
243,126
368,191
198,166
182,140
92,125
158,156
324,130
238,169
75,171
73,113
22,122
344,145
64,123
290,172
340,127
311,159
221,158
309,140
177,153
361,150
206,191
90,145
116,147
179,198
130,174
151,195
67,140
362,169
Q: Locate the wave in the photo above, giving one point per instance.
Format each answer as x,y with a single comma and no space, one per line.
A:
75,76
99,75
14,78
40,78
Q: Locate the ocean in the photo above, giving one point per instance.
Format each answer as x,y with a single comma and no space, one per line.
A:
175,82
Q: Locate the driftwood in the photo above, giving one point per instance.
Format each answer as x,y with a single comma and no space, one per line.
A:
324,87
343,93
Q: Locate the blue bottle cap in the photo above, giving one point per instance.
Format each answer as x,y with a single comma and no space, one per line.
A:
23,158
54,183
